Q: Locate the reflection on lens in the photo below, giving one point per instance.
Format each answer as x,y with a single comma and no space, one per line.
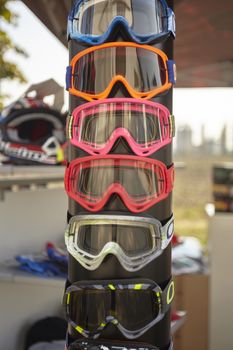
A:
98,128
134,240
96,180
83,310
143,69
93,238
136,308
143,17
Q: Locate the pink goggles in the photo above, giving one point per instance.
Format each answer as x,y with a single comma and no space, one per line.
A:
96,126
139,182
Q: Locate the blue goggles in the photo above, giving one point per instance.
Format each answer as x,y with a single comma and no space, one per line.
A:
94,22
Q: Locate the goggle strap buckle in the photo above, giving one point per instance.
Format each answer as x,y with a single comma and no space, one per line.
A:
68,77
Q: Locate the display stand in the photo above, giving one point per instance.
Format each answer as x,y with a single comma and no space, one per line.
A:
160,269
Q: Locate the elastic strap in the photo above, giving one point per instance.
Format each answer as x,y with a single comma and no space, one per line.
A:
172,125
68,77
171,67
167,232
171,22
69,124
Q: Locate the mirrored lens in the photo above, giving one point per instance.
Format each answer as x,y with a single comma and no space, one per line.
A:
143,69
136,309
143,17
83,310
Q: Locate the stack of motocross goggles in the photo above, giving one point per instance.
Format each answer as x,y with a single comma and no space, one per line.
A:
119,175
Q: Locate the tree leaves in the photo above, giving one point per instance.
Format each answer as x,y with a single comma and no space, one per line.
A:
9,70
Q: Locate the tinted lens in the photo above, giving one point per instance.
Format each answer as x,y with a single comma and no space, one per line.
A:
136,309
95,179
83,310
142,124
93,238
143,17
143,69
133,239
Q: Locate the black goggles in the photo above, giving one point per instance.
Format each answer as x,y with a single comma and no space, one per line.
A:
133,305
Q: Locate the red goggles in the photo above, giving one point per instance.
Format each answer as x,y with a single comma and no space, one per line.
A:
139,182
96,126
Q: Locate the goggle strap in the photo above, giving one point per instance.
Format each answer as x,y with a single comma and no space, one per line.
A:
69,124
171,22
171,71
69,27
172,125
68,77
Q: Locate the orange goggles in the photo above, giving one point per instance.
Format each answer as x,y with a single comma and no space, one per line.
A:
145,71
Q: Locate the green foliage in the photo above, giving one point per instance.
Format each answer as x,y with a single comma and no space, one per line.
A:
8,70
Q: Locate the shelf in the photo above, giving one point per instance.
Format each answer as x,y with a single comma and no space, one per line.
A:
14,179
13,275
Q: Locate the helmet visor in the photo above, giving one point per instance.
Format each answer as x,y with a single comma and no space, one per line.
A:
34,129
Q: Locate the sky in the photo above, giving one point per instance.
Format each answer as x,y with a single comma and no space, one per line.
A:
48,58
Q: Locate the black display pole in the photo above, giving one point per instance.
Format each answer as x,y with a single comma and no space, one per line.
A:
158,270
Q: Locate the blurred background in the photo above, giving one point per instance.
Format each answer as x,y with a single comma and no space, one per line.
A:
203,200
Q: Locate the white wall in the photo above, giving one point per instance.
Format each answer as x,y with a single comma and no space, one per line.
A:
28,219
221,282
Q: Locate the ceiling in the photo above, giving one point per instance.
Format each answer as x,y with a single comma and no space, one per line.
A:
204,44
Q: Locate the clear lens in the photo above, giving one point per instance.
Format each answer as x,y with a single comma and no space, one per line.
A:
143,17
143,69
99,124
94,178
